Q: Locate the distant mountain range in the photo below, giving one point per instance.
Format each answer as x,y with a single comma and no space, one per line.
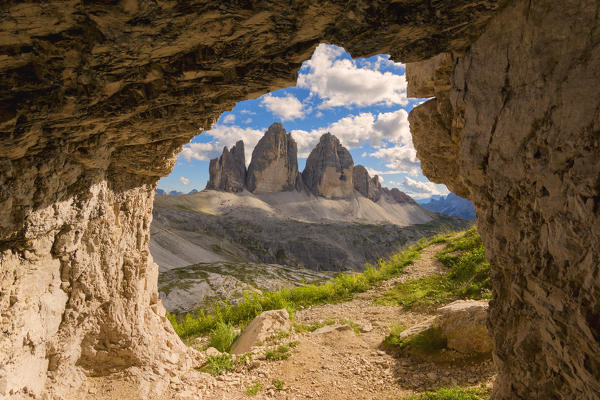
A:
174,192
450,205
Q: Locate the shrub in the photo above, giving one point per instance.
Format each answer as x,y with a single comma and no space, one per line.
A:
278,354
279,385
216,365
254,388
222,337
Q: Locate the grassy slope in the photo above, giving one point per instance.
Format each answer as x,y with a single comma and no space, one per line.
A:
341,288
468,277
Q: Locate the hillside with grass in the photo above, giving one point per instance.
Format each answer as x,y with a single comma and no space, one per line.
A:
320,358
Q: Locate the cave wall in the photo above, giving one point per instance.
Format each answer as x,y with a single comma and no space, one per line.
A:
97,98
516,122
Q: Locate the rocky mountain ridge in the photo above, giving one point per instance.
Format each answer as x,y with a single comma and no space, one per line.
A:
451,205
330,171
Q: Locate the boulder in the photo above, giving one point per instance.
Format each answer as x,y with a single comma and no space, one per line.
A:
264,326
274,165
228,172
463,323
329,169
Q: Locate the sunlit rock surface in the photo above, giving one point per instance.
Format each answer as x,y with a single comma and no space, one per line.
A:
96,100
274,165
329,169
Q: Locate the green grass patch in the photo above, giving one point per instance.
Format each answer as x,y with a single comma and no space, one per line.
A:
279,385
254,388
393,339
279,353
453,393
341,288
222,337
217,365
351,324
468,276
300,328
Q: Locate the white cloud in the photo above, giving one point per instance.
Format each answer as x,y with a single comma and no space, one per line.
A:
247,121
419,189
287,107
247,112
402,159
224,136
229,119
341,82
184,180
373,172
358,130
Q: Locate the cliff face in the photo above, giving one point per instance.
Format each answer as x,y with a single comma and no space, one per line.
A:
98,98
364,184
515,125
228,172
274,165
329,169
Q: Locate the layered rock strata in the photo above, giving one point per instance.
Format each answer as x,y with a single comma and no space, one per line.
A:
97,99
514,127
364,184
329,169
274,165
228,172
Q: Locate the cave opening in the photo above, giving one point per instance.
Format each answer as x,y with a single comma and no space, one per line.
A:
98,98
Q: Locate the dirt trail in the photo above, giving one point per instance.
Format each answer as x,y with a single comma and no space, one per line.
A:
342,364
346,365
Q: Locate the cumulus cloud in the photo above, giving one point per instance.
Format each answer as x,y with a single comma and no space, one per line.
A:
229,119
419,189
342,82
402,159
184,180
358,130
287,107
223,136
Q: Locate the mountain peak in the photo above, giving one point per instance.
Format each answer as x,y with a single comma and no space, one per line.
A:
328,171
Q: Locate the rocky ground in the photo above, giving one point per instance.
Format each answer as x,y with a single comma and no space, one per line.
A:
333,362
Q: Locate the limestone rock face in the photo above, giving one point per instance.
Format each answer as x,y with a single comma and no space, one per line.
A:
262,327
364,184
228,172
98,98
398,196
329,169
515,129
274,165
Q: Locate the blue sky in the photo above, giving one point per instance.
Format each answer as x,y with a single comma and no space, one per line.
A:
363,102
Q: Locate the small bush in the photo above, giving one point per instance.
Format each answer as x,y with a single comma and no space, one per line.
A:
453,393
393,339
279,385
254,388
222,337
280,353
217,365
